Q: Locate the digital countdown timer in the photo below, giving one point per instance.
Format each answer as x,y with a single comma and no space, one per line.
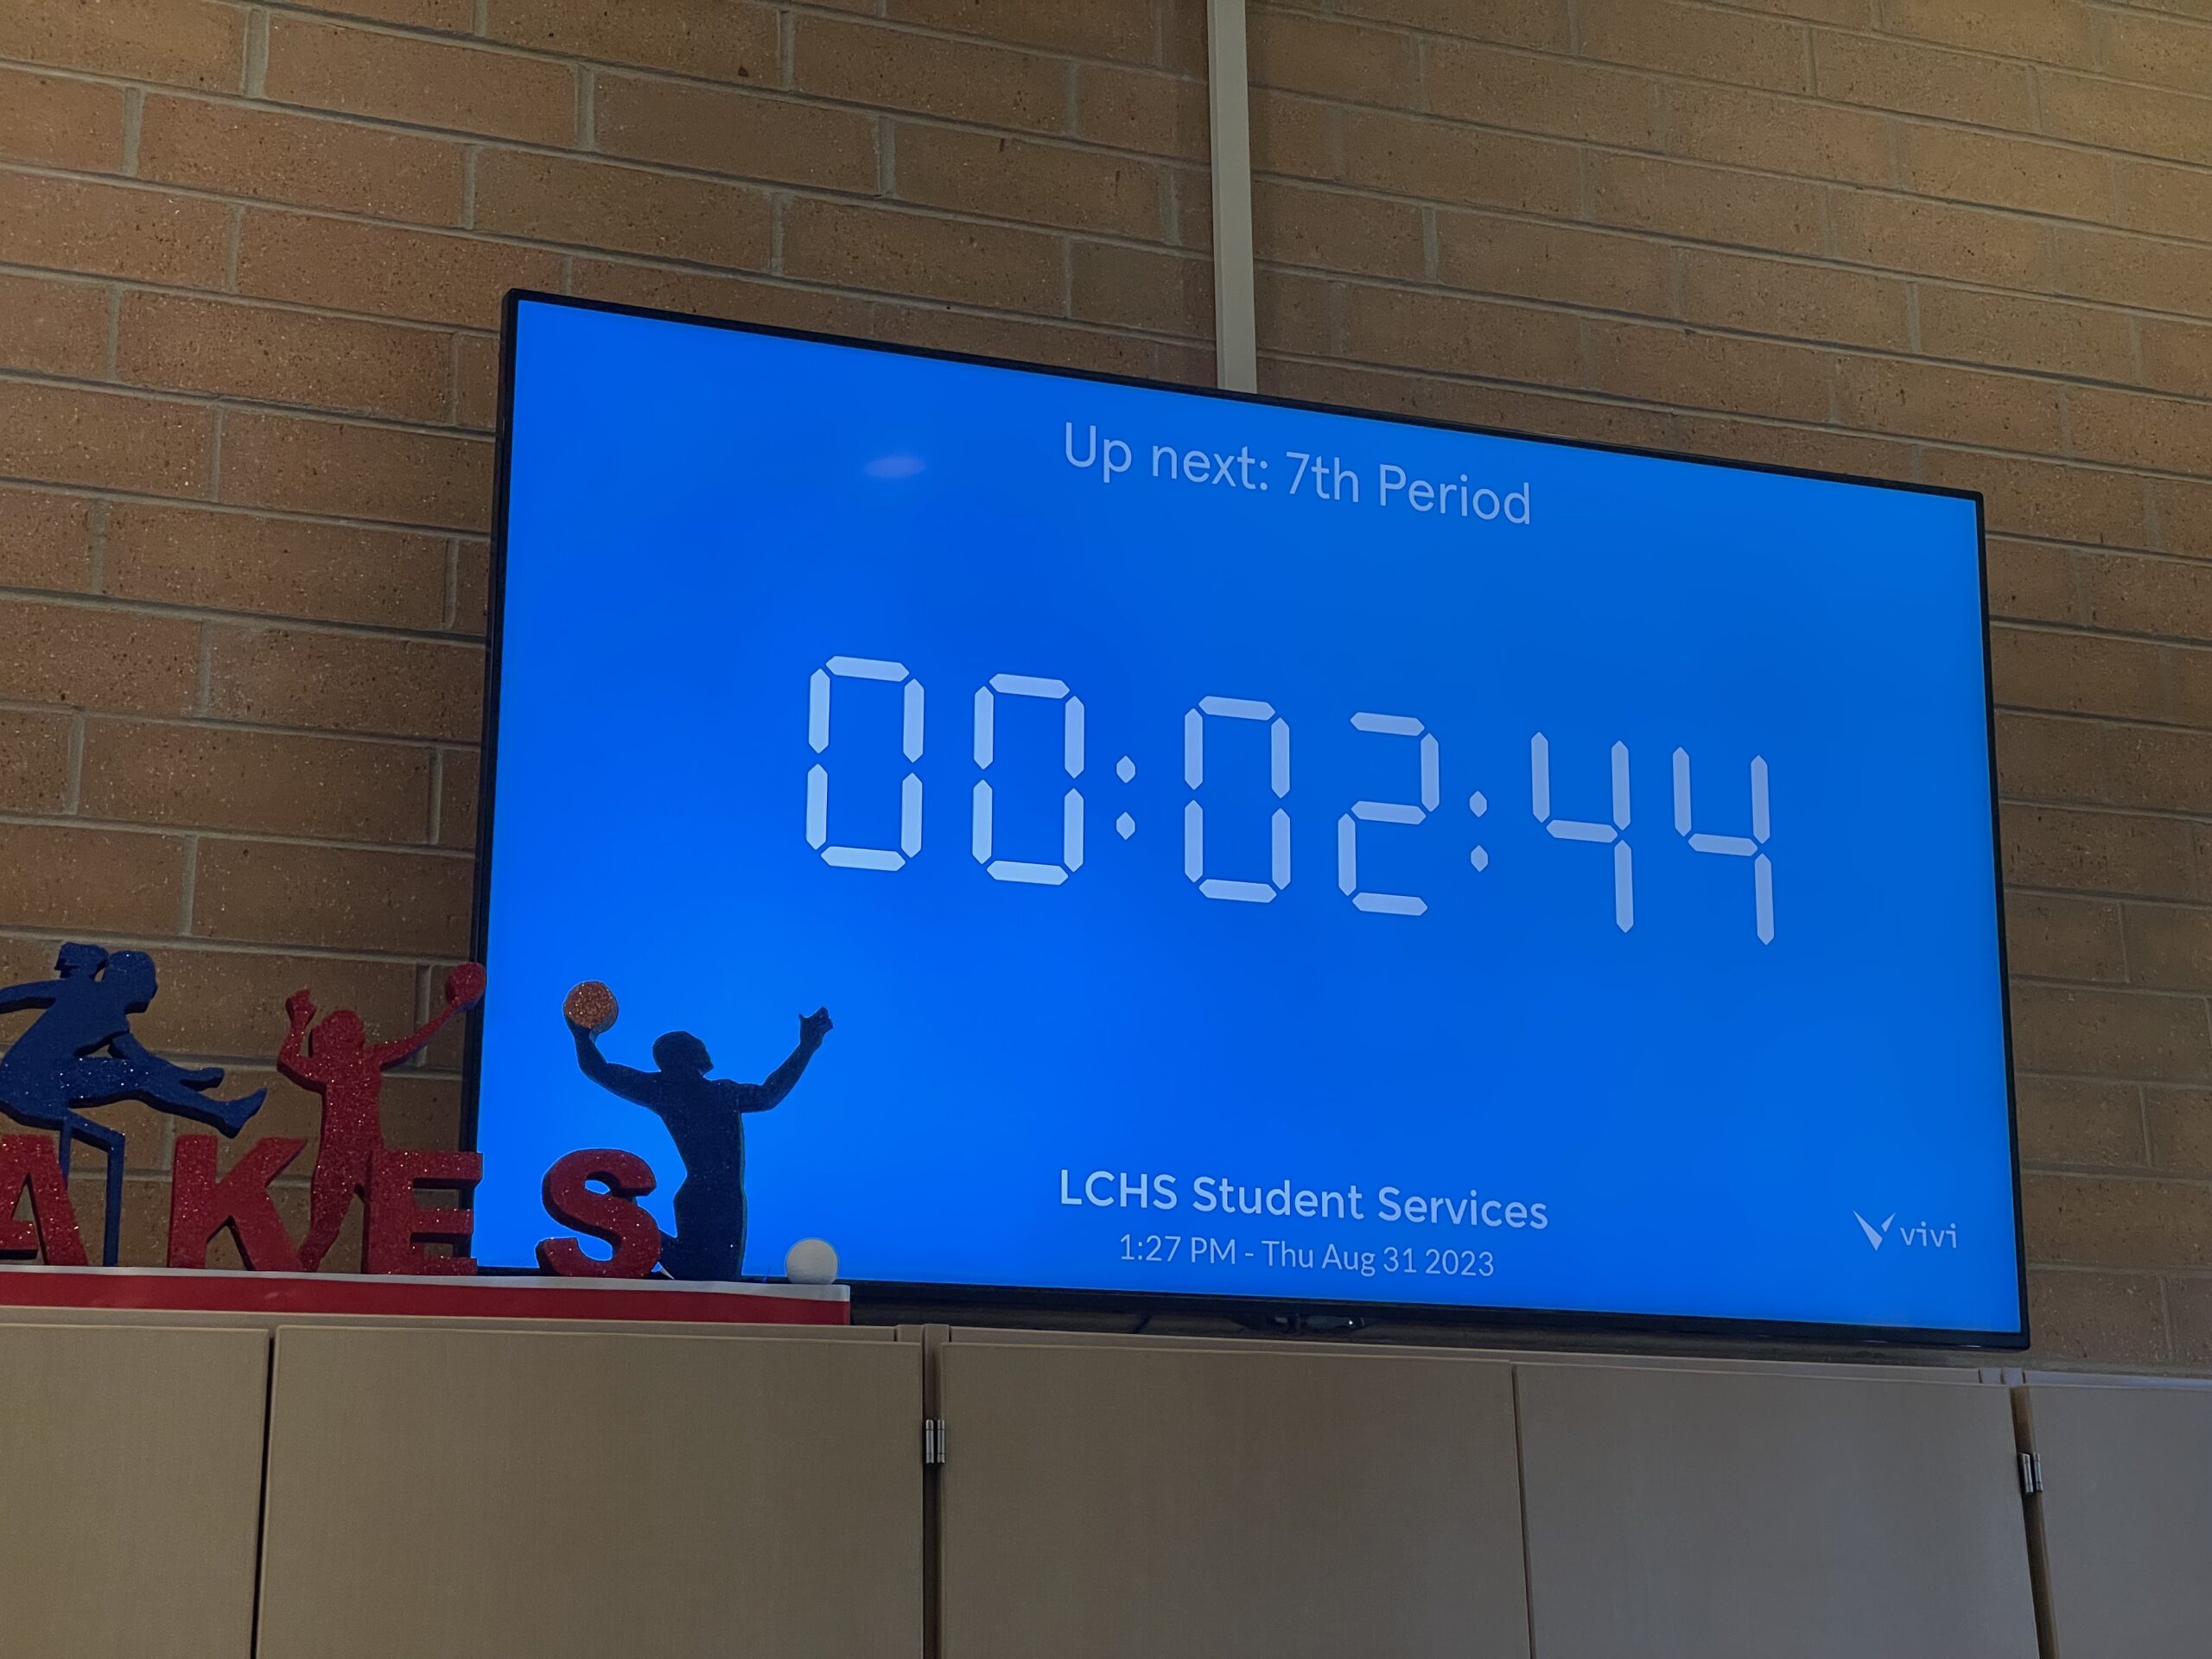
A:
1052,872
1238,851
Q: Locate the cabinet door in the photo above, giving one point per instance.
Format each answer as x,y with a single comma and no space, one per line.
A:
1101,1501
2125,1519
542,1494
1702,1515
130,1490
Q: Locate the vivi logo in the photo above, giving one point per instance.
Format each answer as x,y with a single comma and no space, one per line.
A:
1924,1235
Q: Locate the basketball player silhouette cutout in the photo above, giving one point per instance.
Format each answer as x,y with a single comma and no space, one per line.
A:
705,1117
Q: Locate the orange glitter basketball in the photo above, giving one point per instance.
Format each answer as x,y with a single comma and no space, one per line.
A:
591,1005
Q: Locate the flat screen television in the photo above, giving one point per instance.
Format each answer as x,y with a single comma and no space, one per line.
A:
1253,856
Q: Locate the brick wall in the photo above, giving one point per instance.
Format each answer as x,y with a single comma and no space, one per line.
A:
250,261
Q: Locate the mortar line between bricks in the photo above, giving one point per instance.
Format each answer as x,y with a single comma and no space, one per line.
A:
257,52
2108,1077
187,886
2110,895
2164,1174
251,621
196,833
232,401
134,109
2037,625
217,722
253,728
105,494
111,332
2032,890
2197,995
258,728
96,527
233,235
73,784
126,939
2198,1272
139,285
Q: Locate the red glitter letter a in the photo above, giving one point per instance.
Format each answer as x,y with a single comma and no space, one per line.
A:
28,1161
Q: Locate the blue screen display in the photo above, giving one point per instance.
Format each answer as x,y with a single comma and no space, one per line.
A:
1243,851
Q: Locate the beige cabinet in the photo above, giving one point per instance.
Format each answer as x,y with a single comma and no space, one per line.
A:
540,1492
1739,1515
130,1490
2125,1519
1105,1501
532,1495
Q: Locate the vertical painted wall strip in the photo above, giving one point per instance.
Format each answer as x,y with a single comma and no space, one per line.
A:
1236,367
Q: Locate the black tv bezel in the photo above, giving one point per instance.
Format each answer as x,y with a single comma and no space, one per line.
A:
1045,1299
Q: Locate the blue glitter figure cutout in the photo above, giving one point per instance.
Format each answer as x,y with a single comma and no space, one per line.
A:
706,1119
54,1072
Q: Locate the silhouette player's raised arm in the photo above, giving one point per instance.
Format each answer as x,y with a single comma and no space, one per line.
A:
386,1054
634,1086
292,1058
464,986
770,1094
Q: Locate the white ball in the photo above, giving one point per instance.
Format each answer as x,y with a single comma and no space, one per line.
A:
811,1262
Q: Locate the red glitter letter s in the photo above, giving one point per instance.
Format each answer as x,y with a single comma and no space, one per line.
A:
609,1216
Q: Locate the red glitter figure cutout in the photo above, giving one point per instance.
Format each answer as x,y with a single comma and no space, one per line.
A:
341,1067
